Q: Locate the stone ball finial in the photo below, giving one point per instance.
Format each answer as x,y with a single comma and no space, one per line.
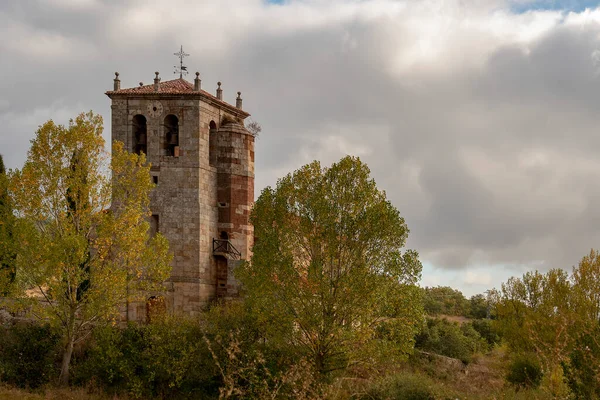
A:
239,93
197,73
116,82
219,84
141,83
156,73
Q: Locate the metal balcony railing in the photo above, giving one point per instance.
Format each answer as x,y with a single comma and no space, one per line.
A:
223,247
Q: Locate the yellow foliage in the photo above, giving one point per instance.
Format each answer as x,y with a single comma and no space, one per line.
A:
81,220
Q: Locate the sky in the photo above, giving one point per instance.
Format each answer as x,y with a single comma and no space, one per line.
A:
479,118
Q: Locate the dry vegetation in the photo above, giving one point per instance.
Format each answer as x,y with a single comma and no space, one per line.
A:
11,393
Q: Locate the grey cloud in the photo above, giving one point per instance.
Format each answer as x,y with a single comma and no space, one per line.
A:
447,144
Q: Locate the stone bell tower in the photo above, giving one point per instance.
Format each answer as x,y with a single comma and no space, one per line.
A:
203,166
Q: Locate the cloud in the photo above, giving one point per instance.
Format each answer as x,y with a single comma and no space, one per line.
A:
479,121
478,278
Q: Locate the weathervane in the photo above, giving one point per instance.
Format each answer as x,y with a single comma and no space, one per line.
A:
182,68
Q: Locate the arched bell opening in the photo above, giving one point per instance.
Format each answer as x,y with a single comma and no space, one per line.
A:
171,143
139,134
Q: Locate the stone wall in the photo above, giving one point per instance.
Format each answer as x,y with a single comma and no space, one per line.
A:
189,190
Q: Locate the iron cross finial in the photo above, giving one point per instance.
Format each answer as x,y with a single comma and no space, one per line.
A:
182,69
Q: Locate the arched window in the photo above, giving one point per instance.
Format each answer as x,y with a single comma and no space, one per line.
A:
171,134
140,136
212,143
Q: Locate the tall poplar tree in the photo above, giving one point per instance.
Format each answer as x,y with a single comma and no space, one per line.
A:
85,247
7,251
328,274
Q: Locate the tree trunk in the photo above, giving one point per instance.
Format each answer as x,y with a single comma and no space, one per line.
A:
320,362
63,380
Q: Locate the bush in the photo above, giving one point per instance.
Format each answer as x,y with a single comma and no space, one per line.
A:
581,370
404,386
444,300
525,371
174,357
250,366
447,338
486,330
478,307
165,358
28,354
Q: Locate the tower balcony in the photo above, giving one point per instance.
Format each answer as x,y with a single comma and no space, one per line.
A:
224,248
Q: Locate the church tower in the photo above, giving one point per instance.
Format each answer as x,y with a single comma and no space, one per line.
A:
203,166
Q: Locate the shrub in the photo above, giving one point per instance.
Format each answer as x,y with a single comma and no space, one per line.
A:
478,307
486,330
28,353
250,366
447,338
404,386
165,358
583,367
525,371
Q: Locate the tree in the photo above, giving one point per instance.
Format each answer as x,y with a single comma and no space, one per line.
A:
327,274
450,339
583,369
7,253
478,306
555,317
445,300
535,314
81,257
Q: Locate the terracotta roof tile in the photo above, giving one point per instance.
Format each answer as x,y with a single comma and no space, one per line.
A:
174,87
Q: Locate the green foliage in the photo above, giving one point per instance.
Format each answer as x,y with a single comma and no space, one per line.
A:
536,314
327,267
165,359
581,368
180,358
486,330
478,307
249,365
226,317
450,339
7,245
406,386
28,354
247,375
555,316
525,371
444,300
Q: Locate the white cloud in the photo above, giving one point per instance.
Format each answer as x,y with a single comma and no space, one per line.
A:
478,278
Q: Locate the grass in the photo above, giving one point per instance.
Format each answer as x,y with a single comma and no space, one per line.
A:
49,393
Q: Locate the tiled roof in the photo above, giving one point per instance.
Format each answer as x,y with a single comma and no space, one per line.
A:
175,87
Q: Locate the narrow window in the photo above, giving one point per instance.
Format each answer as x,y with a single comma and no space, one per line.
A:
140,137
171,125
212,143
155,179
